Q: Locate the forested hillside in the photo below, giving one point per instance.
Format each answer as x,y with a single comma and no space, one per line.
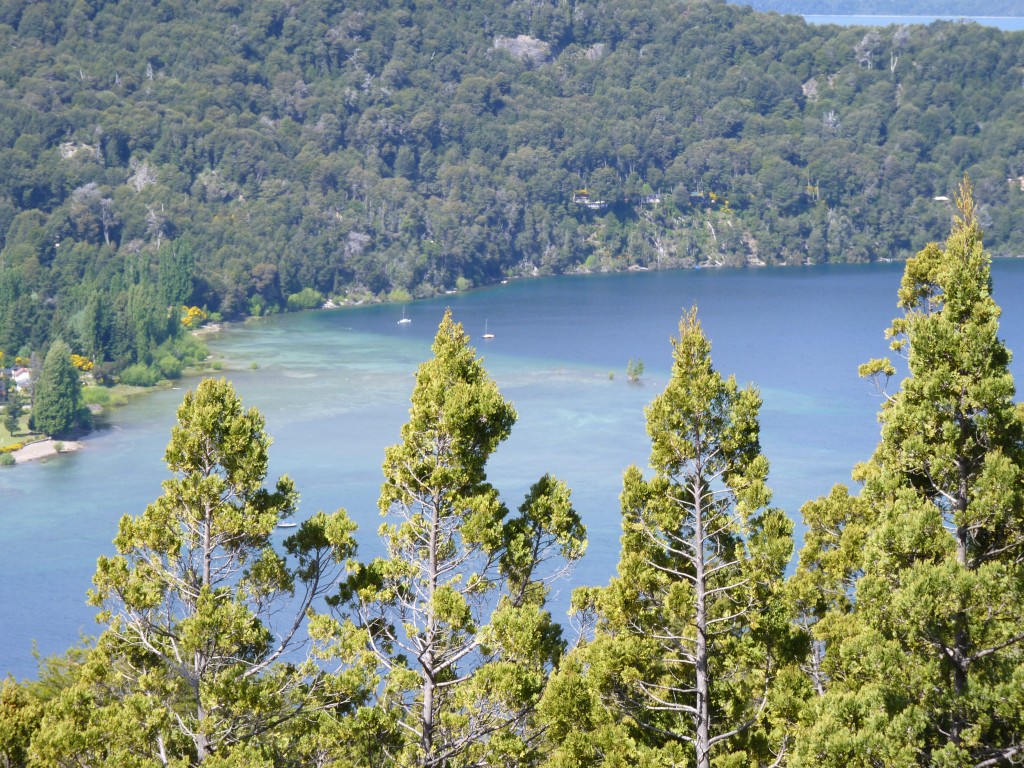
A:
252,157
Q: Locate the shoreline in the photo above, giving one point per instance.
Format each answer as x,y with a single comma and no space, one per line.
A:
44,449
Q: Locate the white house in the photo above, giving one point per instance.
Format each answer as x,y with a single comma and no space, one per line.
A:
22,377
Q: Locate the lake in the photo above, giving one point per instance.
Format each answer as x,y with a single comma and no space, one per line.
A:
334,387
1005,23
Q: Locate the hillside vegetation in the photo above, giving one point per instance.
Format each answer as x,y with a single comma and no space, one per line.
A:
252,157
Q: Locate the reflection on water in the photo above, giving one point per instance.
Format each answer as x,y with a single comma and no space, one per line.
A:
334,387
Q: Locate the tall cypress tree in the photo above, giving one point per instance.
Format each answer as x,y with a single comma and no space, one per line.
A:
57,393
925,664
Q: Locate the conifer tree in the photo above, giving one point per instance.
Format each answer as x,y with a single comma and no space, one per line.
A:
13,410
57,393
924,664
456,608
691,632
194,652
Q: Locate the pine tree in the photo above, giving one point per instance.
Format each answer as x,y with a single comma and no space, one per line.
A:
691,632
193,651
456,608
924,665
13,409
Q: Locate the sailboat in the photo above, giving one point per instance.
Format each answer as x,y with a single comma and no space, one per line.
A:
404,319
487,334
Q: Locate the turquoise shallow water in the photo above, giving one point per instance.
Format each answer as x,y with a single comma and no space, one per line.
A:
334,387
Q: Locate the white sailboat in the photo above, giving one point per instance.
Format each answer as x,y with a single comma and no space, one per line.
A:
404,319
487,334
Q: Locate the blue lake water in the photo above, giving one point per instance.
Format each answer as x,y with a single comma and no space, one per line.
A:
334,387
1005,23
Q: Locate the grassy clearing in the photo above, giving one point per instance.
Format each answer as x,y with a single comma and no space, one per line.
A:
112,397
21,436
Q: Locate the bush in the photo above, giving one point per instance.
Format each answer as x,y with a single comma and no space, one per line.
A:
191,350
140,375
84,418
6,460
95,396
307,298
170,367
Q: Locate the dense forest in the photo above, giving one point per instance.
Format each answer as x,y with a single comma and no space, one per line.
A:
245,158
897,640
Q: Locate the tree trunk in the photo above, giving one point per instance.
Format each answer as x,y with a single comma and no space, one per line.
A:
427,721
427,657
962,637
203,748
703,737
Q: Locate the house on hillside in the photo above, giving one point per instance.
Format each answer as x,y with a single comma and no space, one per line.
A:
582,197
22,378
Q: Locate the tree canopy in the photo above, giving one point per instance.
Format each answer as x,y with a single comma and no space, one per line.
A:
57,393
923,649
956,8
193,603
691,632
456,610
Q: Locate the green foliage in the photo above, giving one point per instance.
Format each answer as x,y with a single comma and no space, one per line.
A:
190,601
19,718
693,630
7,460
57,393
169,366
634,369
956,8
13,410
96,396
456,608
919,578
307,298
175,273
140,375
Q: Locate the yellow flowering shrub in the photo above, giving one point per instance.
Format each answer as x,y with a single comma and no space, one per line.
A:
81,362
193,317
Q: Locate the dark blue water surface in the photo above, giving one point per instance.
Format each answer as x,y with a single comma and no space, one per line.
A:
334,387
